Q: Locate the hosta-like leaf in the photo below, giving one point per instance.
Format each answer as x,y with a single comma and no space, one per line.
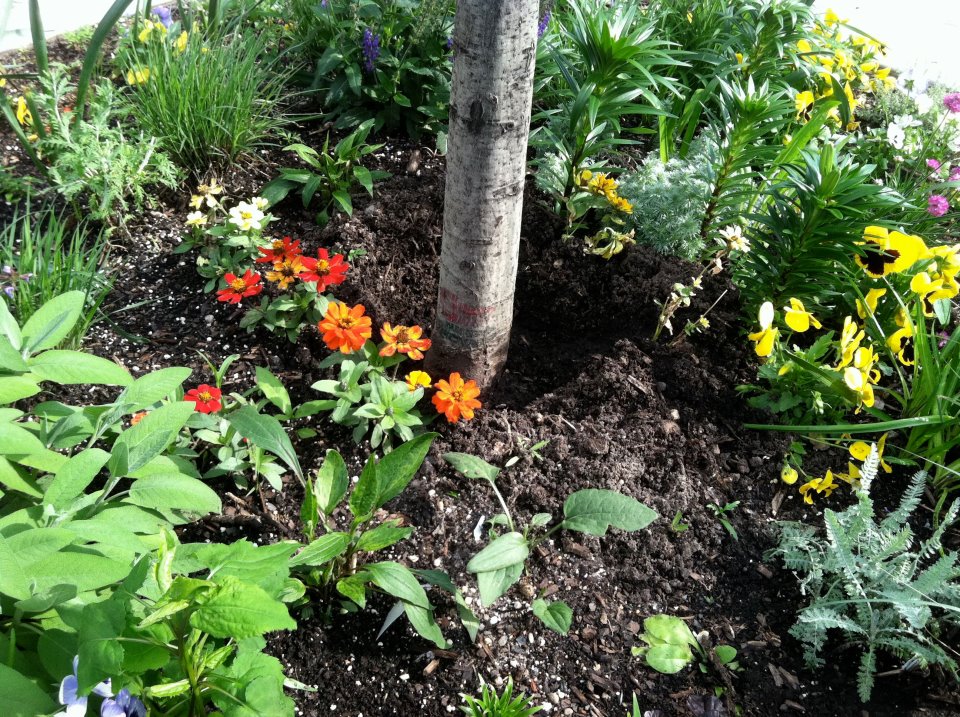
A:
593,511
555,615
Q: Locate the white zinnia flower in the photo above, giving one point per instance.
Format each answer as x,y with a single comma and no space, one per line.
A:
246,217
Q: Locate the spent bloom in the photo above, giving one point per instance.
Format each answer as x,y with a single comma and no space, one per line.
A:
240,287
77,704
247,217
938,205
952,102
456,398
371,49
345,328
206,398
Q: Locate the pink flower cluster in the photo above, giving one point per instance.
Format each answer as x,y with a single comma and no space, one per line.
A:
952,102
938,205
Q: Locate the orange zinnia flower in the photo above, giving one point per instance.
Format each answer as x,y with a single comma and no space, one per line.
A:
405,339
455,398
286,272
280,250
345,328
239,287
326,270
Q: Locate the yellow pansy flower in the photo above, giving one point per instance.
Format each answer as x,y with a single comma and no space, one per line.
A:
824,486
850,338
804,47
858,382
138,76
803,102
888,252
798,318
767,335
181,42
788,474
24,116
869,303
860,450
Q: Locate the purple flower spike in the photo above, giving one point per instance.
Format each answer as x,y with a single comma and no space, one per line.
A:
544,24
371,50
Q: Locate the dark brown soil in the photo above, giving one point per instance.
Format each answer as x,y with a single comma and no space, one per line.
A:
659,421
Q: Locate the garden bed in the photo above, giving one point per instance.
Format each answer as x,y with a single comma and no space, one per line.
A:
659,421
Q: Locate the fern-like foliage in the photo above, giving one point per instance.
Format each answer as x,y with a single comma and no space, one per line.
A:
874,582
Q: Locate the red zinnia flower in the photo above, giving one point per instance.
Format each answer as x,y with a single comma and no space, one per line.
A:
280,250
345,328
206,398
456,398
326,270
404,339
239,287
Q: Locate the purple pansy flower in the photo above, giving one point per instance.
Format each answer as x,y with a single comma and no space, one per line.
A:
125,705
77,705
163,15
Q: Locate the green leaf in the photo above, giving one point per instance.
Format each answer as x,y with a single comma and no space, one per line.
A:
174,491
397,468
506,550
10,358
14,479
725,654
343,199
331,483
472,466
140,444
397,580
73,477
52,322
354,588
13,388
383,536
274,390
363,500
494,583
362,175
75,367
266,432
322,550
9,328
424,623
16,440
555,615
236,610
593,510
668,659
20,696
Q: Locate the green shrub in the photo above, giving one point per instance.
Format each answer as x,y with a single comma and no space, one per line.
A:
874,583
206,101
669,200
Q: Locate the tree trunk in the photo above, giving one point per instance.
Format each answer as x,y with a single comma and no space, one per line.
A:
495,44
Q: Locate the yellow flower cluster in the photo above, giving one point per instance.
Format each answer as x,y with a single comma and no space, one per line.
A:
148,28
825,486
603,185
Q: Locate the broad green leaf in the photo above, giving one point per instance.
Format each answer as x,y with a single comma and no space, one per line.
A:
43,601
140,444
266,432
331,483
397,468
472,466
354,588
13,388
10,358
274,390
20,696
494,583
725,654
397,580
668,629
594,510
363,500
174,491
250,563
668,659
237,610
435,577
100,652
86,570
16,440
555,615
383,536
506,550
9,328
52,322
13,479
73,477
75,367
424,623
146,391
322,550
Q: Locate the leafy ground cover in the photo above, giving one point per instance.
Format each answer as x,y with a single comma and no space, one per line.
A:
588,400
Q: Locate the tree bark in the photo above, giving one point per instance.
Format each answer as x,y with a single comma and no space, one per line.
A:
494,46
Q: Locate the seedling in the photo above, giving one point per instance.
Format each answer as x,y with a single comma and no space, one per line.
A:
677,525
671,646
721,515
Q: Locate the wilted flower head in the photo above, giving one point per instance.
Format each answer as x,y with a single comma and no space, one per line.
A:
371,49
938,205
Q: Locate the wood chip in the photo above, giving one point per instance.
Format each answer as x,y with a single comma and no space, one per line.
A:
790,678
428,670
764,571
777,678
790,704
